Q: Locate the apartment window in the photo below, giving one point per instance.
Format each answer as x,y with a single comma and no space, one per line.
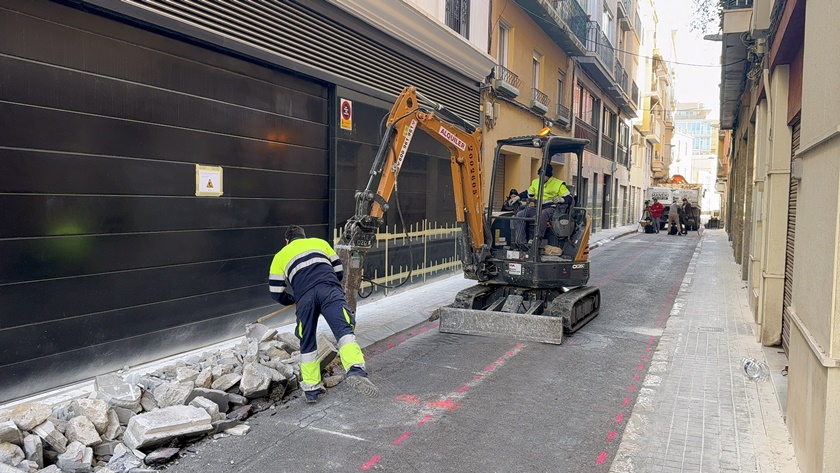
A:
609,123
585,106
607,24
623,132
458,16
504,44
560,90
535,70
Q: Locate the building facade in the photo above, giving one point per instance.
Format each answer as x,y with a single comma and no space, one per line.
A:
780,101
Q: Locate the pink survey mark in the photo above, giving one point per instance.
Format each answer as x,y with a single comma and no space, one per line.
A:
611,436
443,404
632,388
371,462
626,401
401,438
409,398
434,324
425,419
601,458
390,345
619,418
463,388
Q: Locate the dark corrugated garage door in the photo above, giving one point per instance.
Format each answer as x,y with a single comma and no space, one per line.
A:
108,255
787,296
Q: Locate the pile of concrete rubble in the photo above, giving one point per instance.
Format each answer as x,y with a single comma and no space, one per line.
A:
131,423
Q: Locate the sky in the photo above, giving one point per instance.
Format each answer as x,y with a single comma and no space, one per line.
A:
693,84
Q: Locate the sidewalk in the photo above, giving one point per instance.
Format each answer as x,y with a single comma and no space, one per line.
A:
696,410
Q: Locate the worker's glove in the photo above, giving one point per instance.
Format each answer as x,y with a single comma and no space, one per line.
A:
556,199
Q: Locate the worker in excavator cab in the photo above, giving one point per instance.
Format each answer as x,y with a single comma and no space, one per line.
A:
554,192
313,270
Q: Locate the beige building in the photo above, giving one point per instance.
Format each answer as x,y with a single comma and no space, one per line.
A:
569,64
783,191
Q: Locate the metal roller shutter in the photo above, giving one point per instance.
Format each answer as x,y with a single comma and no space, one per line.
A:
292,31
791,234
500,193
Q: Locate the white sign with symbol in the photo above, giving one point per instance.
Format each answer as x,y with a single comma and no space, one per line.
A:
208,180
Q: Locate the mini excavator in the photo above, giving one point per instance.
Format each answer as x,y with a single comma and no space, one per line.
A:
534,293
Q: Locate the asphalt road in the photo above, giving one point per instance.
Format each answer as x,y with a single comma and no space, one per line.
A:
466,403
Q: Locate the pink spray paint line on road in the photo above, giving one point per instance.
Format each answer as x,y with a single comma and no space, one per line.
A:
447,403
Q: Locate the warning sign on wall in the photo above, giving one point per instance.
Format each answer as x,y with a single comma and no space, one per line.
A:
346,110
208,180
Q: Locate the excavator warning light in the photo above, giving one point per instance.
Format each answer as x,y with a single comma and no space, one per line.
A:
545,131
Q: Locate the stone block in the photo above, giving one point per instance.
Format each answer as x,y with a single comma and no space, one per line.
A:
26,416
60,424
259,332
117,393
333,381
9,432
236,400
52,437
240,413
113,429
209,406
5,415
81,429
123,462
256,380
220,370
240,429
147,401
106,449
76,459
11,454
96,410
4,468
223,424
204,379
173,393
186,374
161,456
291,341
123,415
33,449
157,427
221,398
226,382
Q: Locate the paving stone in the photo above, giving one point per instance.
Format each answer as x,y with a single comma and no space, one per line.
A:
106,449
81,429
326,350
11,454
259,332
123,462
240,429
77,459
27,415
204,379
123,415
96,410
117,393
333,381
220,370
173,393
147,401
156,427
52,437
186,374
209,406
9,432
226,381
33,449
256,380
113,429
161,456
221,398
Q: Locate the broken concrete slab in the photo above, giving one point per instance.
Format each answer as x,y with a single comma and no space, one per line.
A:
77,459
49,469
259,332
186,374
117,393
4,468
173,393
96,410
11,454
226,381
221,398
292,342
113,429
220,370
60,424
123,415
204,379
9,432
223,424
123,462
52,437
156,427
326,350
240,413
106,449
27,415
33,449
81,429
147,401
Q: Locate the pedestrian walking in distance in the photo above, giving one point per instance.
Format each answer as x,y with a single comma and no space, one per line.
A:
313,271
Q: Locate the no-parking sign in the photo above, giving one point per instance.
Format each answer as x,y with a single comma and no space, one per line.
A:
346,110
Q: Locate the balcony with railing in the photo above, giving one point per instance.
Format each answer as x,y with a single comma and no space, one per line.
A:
601,64
506,82
634,96
539,101
623,157
564,21
623,12
564,115
586,131
736,4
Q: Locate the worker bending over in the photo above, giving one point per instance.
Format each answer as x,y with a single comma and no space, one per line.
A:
313,271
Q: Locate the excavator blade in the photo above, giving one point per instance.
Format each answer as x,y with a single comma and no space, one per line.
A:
535,328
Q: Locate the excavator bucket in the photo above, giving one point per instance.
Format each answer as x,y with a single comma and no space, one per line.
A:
535,328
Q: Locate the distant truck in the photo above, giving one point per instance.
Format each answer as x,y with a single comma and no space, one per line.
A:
674,193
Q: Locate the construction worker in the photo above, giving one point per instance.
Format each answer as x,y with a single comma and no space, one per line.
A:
554,191
656,209
313,271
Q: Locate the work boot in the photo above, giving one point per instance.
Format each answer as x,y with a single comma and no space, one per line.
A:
311,396
357,378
